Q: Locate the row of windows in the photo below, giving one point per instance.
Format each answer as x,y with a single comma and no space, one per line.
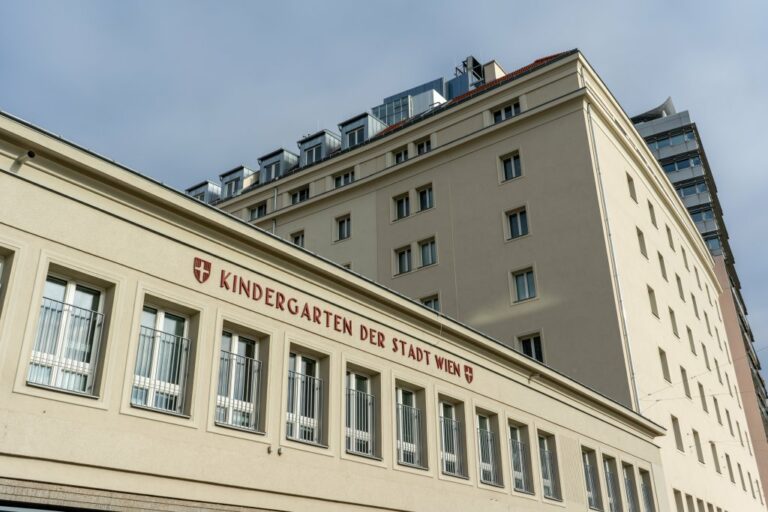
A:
679,165
614,471
401,204
427,256
672,140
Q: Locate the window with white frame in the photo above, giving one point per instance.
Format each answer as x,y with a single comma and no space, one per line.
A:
520,455
426,197
630,487
300,195
511,167
69,330
530,345
162,359
402,206
272,171
550,478
487,447
360,420
646,488
423,146
305,399
452,458
428,251
343,179
506,112
410,429
432,302
258,211
612,485
298,238
525,286
239,387
343,227
403,260
356,136
592,479
517,223
231,187
313,154
401,156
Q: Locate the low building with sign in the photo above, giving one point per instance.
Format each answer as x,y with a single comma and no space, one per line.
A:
157,353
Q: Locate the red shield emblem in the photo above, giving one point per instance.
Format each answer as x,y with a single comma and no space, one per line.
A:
469,374
202,270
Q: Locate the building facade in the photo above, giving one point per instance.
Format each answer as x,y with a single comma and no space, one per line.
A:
531,209
676,143
157,354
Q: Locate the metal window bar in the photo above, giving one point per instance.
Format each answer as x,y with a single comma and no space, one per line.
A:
549,478
305,405
160,378
489,463
521,464
612,482
452,449
66,350
239,399
632,503
593,490
409,444
361,422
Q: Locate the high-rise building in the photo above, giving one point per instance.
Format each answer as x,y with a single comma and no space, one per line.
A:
676,142
530,209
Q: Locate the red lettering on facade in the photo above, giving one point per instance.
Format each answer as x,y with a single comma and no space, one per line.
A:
316,315
223,281
292,307
245,286
279,301
268,297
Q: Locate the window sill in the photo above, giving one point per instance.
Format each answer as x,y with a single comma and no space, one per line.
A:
412,466
239,429
161,411
307,443
524,491
516,238
364,456
453,475
490,484
341,240
62,390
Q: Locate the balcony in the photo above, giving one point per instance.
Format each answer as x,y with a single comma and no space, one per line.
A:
697,199
160,377
685,174
238,397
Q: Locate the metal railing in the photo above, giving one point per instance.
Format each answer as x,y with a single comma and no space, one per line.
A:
520,455
409,443
239,398
361,423
488,457
549,475
66,350
452,458
305,406
160,377
594,499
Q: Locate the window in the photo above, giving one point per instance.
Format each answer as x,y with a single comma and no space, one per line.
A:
361,420
300,195
550,479
664,365
715,458
652,301
679,505
343,227
646,486
738,429
678,434
313,154
432,302
488,451
511,166
669,239
692,190
428,250
272,171
685,258
231,187
741,476
426,198
531,346
686,386
402,206
258,211
662,267
672,140
65,355
728,381
401,156
630,487
199,196
506,112
518,223
403,260
305,398
730,468
592,479
679,165
298,238
451,441
706,356
410,429
719,375
343,179
706,322
691,343
680,287
703,398
716,404
525,286
695,305
424,146
612,484
673,322
521,458
728,419
631,186
239,388
641,242
652,214
698,279
160,376
355,137
697,443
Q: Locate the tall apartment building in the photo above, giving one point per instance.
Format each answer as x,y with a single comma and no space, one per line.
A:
529,208
676,143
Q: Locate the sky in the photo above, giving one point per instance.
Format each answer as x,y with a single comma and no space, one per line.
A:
184,90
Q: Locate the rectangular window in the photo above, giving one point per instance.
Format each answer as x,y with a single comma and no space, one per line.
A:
691,343
641,243
730,468
432,302
272,171
531,346
698,279
697,443
298,238
715,458
525,286
305,399
664,365
69,330
258,211
452,449
343,227
652,301
592,479
673,322
160,376
631,187
695,305
426,197
411,445
403,260
741,476
719,375
550,478
401,156
680,287
231,188
728,419
238,399
679,505
716,405
506,112
706,355
355,137
662,267
678,434
706,322
511,166
684,378
703,396
630,487
612,485
300,195
402,206
517,221
520,454
424,146
685,257
646,487
313,154
669,239
343,179
361,419
652,214
428,250
488,451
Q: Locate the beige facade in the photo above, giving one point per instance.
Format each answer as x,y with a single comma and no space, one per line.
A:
614,278
157,354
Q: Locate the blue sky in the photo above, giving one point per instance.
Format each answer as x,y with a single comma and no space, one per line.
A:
185,90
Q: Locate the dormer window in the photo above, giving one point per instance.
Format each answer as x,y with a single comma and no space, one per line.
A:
506,112
272,171
314,154
355,137
231,187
